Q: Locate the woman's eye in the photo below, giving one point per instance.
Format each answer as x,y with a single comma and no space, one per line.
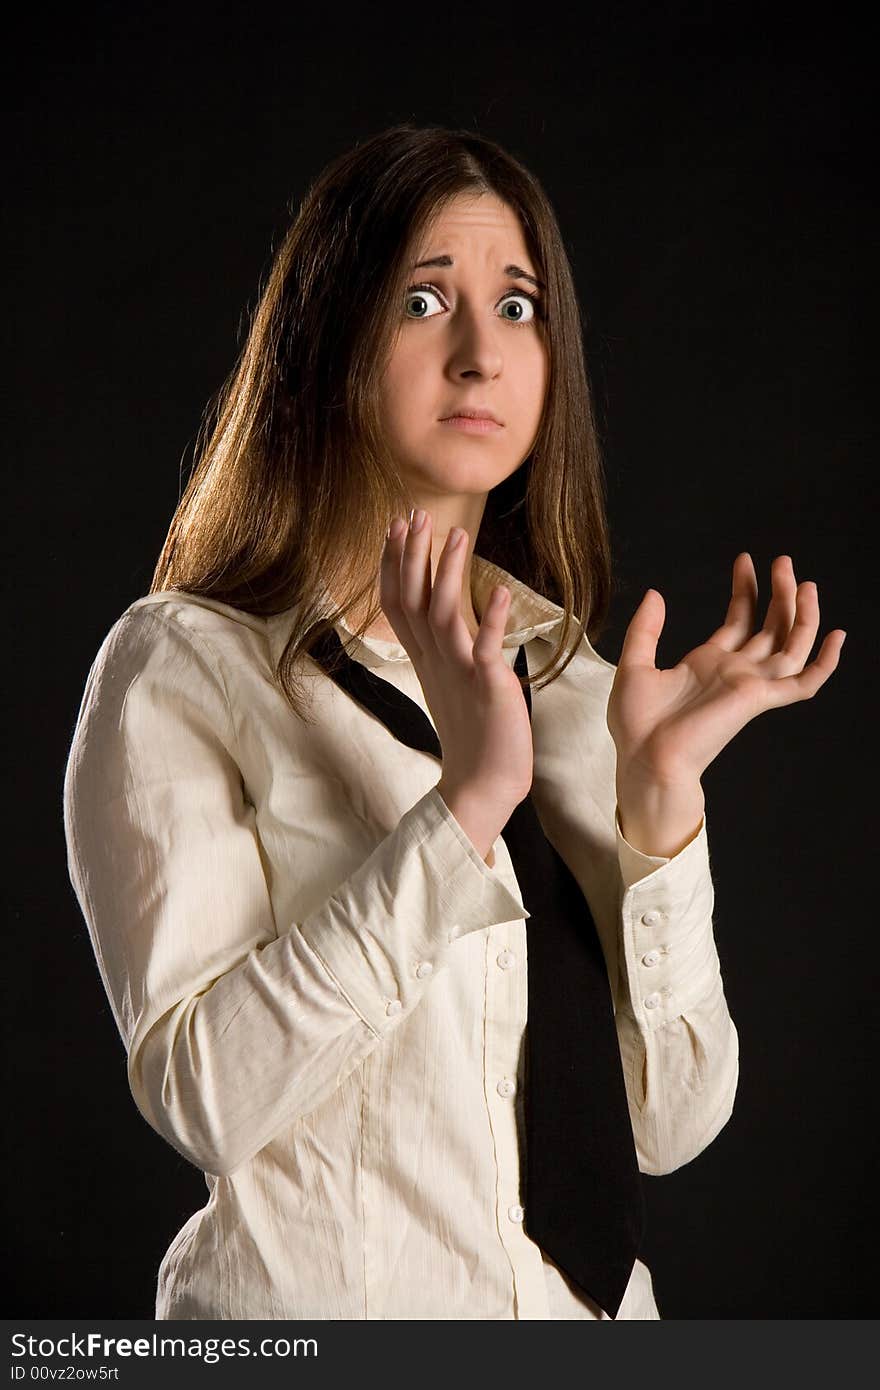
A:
525,308
519,317
420,297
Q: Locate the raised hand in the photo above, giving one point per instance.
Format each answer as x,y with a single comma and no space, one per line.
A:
668,725
475,698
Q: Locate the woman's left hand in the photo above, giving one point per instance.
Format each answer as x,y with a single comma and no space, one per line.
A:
668,725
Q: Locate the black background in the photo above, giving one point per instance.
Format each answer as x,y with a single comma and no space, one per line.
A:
711,170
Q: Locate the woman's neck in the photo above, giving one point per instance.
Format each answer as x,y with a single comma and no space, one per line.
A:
381,629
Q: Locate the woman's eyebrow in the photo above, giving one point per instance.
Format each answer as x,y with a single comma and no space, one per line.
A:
515,272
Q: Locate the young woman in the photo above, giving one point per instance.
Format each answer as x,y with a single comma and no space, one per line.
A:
399,891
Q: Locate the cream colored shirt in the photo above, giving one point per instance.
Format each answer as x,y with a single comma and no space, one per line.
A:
322,987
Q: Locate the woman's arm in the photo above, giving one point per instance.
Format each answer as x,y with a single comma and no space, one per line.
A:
679,1046
678,1042
653,913
236,1025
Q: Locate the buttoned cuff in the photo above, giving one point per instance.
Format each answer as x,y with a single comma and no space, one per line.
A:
387,928
669,951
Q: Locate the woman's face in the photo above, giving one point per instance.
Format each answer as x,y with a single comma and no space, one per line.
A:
470,338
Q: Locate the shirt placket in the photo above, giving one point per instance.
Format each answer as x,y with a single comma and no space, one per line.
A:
506,1010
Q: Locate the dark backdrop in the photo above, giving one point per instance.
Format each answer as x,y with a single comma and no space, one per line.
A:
709,168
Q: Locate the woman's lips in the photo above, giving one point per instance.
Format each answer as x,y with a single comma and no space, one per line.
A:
471,426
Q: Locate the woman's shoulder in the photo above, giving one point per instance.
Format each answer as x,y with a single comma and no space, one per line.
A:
195,611
171,633
195,619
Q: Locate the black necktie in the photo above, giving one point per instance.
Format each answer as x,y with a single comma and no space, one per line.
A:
584,1203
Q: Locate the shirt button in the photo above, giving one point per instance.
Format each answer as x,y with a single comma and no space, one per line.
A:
516,1212
424,968
393,1006
506,1087
651,918
652,1000
651,958
506,959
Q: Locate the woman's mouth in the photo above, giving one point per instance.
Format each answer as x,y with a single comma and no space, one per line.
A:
471,426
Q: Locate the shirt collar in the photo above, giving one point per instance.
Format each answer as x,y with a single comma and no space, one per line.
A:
529,615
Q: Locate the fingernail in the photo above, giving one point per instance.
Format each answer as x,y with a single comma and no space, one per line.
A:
395,529
417,519
455,535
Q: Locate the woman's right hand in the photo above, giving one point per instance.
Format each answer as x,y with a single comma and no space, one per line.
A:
475,698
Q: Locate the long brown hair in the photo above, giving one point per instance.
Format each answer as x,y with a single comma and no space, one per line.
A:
293,485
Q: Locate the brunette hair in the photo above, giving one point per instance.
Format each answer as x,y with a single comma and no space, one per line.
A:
293,485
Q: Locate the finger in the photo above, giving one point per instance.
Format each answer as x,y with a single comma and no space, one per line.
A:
799,642
739,620
640,643
415,577
780,611
389,586
804,685
489,641
451,633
